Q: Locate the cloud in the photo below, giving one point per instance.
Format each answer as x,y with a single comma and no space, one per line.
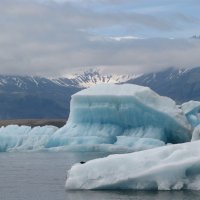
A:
53,37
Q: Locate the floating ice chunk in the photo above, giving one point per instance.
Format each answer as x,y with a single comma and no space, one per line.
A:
12,136
192,112
15,138
23,138
110,110
171,167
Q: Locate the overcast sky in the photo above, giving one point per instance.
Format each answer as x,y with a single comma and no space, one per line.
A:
57,37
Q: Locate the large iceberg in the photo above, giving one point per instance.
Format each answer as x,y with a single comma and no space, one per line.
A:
125,115
172,167
109,117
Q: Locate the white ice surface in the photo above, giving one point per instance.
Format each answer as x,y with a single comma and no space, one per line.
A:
172,167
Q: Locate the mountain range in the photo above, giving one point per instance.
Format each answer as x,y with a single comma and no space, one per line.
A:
179,84
33,97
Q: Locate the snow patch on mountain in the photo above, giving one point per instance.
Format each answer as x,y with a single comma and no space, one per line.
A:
84,79
93,77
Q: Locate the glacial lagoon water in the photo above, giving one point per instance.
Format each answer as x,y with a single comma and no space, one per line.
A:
41,176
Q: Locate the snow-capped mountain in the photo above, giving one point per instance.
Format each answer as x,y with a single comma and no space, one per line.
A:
92,77
83,80
179,84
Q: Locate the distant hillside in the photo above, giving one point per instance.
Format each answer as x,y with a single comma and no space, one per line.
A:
179,84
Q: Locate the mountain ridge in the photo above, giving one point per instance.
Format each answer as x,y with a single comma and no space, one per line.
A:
85,79
179,84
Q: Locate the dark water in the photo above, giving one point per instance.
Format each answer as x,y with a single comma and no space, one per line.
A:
41,176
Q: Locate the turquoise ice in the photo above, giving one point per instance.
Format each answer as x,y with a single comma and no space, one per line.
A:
126,115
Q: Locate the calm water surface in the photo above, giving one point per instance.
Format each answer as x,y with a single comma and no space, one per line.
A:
41,176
